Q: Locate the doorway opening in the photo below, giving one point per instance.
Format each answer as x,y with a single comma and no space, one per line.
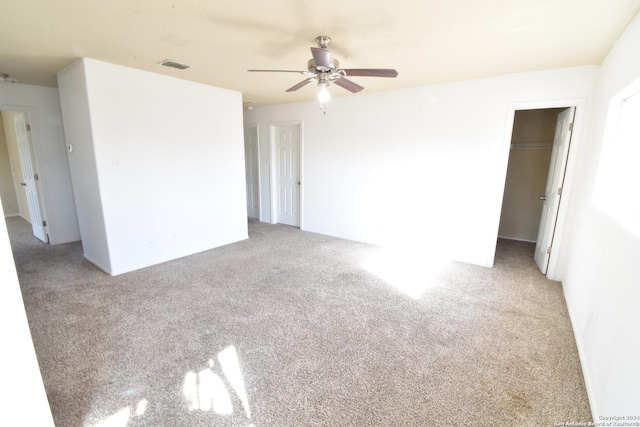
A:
539,150
20,180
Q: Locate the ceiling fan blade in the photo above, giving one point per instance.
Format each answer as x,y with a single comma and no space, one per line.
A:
321,57
299,85
371,72
348,85
278,71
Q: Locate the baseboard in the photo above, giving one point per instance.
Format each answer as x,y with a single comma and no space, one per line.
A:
97,264
517,239
63,242
378,244
339,236
11,215
176,257
585,373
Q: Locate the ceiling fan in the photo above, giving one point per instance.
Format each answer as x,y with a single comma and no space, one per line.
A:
325,70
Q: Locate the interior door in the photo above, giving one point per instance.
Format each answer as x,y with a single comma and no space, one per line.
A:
553,189
288,174
29,176
252,172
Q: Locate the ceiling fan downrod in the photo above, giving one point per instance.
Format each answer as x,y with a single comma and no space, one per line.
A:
323,41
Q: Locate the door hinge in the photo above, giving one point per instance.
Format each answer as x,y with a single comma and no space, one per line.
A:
571,127
44,223
28,126
549,250
36,177
559,191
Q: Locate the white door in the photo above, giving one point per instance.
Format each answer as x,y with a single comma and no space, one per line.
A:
288,174
29,176
251,170
553,189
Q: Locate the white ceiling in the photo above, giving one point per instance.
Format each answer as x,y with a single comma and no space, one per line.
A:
427,41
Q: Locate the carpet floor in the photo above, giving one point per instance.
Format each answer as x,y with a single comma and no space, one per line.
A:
291,328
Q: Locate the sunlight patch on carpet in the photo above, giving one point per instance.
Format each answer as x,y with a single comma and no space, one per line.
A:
206,390
119,419
141,408
411,272
228,359
124,415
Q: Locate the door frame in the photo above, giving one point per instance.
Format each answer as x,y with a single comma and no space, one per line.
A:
30,113
273,193
257,130
30,174
554,269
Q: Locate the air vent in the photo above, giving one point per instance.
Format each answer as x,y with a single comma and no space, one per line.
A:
174,64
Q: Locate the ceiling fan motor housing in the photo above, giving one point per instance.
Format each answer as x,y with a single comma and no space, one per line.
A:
334,65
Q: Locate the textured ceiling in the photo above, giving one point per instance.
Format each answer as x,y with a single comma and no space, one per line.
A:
427,41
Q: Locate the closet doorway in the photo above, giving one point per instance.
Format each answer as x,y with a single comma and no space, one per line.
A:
535,174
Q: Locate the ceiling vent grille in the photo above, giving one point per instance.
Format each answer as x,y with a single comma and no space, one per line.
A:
174,64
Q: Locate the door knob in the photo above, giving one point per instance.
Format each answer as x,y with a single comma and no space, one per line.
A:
542,198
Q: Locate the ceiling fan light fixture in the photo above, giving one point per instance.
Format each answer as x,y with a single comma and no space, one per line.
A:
324,95
323,84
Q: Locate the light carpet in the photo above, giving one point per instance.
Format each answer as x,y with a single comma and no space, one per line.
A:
289,328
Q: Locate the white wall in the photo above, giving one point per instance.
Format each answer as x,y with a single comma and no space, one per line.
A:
425,165
602,276
74,99
21,392
43,106
161,158
7,187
